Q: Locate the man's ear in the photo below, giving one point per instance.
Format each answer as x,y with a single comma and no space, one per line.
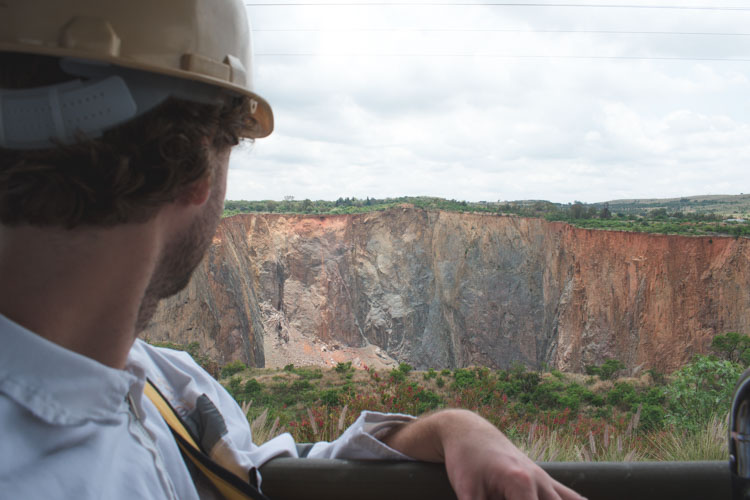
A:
197,192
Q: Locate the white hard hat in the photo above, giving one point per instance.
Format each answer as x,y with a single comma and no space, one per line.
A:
139,52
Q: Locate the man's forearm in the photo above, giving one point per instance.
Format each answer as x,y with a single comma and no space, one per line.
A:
480,461
423,439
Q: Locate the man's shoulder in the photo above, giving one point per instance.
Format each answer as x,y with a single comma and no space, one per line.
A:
142,351
174,373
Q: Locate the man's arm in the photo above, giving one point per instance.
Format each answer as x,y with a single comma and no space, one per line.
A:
481,462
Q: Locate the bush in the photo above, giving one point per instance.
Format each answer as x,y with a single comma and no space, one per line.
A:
439,382
234,387
343,367
405,368
252,386
652,417
609,368
300,386
733,347
232,368
427,400
398,376
289,367
622,395
700,390
464,378
429,374
528,381
309,373
544,396
591,370
657,377
331,397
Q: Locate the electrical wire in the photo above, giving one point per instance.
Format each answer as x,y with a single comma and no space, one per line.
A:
497,4
492,30
504,56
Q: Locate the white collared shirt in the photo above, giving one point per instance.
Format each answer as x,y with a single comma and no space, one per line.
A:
74,428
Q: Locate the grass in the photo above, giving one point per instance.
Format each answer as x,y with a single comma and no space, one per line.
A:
550,416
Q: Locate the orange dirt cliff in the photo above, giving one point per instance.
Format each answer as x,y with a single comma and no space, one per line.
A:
445,289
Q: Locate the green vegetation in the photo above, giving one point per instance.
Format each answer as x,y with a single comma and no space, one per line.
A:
699,390
552,416
232,368
607,370
733,347
695,216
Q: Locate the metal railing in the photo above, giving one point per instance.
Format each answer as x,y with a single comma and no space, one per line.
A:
311,479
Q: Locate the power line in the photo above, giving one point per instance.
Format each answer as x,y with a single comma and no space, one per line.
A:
495,4
494,30
504,56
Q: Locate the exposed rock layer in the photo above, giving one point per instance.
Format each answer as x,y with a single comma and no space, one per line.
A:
443,289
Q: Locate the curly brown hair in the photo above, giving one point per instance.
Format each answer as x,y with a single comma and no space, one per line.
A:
122,176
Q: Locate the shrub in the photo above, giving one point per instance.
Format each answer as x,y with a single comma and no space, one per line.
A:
622,395
652,417
331,397
300,386
445,372
439,382
591,370
343,367
232,368
427,400
657,377
309,373
398,376
528,381
545,395
733,347
234,387
405,368
289,367
252,386
429,374
609,368
464,378
700,390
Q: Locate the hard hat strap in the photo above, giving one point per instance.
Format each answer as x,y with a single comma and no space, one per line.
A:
45,117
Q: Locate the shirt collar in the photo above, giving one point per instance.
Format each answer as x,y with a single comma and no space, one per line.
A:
58,385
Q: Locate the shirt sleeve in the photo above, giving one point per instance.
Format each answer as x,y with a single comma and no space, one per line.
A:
182,381
361,441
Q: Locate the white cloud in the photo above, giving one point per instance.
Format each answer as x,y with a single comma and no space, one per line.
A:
351,123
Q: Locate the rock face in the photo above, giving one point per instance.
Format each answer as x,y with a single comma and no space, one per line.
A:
444,289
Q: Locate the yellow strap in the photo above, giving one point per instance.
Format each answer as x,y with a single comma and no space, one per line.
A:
191,449
227,490
169,416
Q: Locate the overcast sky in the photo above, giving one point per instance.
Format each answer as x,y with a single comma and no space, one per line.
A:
478,102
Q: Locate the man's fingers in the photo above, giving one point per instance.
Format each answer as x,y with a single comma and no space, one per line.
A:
566,493
516,483
548,492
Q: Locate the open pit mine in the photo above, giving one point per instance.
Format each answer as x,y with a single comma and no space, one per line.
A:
444,289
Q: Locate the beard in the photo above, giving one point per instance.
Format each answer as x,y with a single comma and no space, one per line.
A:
182,255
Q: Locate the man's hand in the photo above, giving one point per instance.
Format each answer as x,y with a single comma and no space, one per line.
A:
481,462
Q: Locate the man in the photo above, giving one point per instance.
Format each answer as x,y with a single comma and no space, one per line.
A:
116,124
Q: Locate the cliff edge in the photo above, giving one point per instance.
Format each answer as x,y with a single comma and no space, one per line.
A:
446,289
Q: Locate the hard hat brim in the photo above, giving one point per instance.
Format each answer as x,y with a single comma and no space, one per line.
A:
260,124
